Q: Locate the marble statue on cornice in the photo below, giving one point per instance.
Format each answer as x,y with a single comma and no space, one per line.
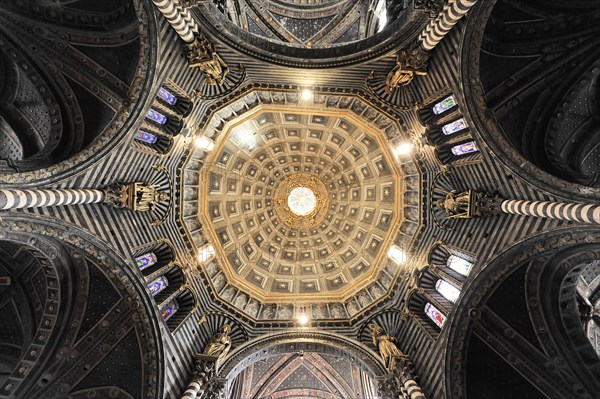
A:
387,346
220,344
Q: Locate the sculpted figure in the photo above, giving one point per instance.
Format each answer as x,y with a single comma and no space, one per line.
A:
220,344
398,77
456,205
146,197
387,346
202,54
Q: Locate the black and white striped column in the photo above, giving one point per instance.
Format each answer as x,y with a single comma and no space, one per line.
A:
435,31
15,199
192,391
583,213
413,389
179,18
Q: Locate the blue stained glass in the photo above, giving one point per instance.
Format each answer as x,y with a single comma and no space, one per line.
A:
167,96
158,285
444,105
455,126
434,314
145,260
465,148
168,311
156,117
145,137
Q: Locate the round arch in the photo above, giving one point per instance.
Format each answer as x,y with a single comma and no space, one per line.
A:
530,150
521,312
399,33
318,353
76,262
131,98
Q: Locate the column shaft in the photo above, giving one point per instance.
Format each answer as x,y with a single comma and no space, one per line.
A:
583,213
435,31
180,19
192,390
413,389
15,199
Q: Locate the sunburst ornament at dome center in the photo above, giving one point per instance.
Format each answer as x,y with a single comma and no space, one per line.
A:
302,201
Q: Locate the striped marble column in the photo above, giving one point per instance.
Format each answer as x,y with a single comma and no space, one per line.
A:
582,213
180,19
413,389
192,391
187,17
435,31
15,199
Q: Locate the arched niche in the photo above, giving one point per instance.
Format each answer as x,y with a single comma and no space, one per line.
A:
178,307
154,257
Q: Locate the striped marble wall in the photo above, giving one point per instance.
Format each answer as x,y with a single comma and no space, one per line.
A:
126,231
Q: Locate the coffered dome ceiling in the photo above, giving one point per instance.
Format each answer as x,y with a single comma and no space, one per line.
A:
276,252
301,201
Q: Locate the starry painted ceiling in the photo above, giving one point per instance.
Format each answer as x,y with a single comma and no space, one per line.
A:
314,24
303,375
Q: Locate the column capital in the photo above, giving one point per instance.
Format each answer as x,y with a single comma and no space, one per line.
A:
388,387
404,368
137,196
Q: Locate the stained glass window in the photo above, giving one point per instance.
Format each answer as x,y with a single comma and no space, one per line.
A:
145,137
157,285
447,290
145,260
434,314
444,105
459,265
455,126
465,148
156,117
168,311
167,96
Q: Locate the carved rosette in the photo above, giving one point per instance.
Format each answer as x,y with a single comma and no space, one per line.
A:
282,208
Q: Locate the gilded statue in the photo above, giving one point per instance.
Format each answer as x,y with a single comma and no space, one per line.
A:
147,197
410,63
387,346
456,205
201,54
220,343
398,77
